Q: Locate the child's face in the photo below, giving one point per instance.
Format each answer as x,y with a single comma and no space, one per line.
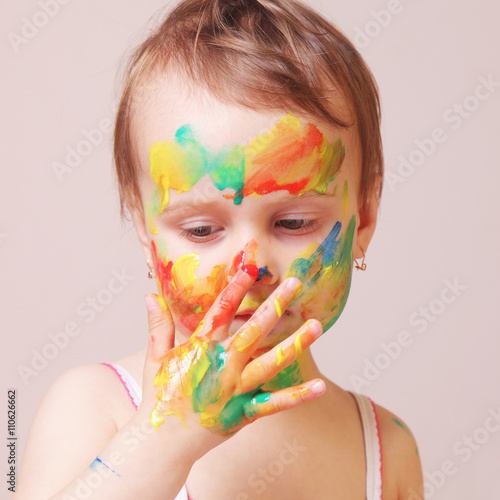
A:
224,186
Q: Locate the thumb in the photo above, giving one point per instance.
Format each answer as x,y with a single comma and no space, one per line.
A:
160,341
161,328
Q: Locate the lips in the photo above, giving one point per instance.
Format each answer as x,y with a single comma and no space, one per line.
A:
244,312
244,315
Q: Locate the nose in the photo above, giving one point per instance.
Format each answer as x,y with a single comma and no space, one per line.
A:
253,255
263,274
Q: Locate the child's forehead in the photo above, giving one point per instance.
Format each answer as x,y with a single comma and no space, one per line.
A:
171,106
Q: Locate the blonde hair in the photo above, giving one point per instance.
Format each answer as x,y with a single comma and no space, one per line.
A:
262,55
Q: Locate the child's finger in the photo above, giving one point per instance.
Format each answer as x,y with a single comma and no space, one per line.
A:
265,367
269,403
225,306
248,338
161,327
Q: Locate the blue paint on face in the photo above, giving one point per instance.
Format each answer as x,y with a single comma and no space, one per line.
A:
263,273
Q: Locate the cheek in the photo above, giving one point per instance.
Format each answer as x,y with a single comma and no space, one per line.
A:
326,273
188,295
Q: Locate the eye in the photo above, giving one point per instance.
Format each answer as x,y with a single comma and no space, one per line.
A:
297,225
201,233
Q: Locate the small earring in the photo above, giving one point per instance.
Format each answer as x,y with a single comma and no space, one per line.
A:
150,272
361,267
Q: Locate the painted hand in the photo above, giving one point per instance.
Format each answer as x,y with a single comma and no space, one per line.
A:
211,380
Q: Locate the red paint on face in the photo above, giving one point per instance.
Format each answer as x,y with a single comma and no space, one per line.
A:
191,303
281,156
238,261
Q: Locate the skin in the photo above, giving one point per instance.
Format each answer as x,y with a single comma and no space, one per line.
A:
215,379
201,223
213,466
325,268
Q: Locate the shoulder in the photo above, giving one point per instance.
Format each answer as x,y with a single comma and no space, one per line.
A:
81,388
78,408
86,388
402,471
83,375
83,395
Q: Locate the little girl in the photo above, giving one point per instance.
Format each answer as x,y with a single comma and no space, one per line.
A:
248,153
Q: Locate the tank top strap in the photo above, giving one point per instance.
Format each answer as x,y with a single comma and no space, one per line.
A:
132,387
373,446
182,495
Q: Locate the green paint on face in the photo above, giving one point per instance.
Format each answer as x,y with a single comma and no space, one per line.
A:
227,170
289,158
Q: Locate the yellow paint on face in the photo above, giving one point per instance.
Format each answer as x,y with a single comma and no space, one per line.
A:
290,157
325,270
253,302
189,296
183,270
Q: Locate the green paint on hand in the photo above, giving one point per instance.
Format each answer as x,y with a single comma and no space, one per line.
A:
288,377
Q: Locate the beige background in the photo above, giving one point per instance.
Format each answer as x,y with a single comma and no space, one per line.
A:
61,238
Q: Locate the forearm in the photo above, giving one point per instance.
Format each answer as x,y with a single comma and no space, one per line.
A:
138,462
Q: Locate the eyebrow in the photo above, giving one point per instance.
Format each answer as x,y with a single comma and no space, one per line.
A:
179,206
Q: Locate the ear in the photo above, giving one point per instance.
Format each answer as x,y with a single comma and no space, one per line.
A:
367,220
143,234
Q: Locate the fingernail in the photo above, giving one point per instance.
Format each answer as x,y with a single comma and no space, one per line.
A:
251,270
318,387
151,304
155,303
295,286
314,327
